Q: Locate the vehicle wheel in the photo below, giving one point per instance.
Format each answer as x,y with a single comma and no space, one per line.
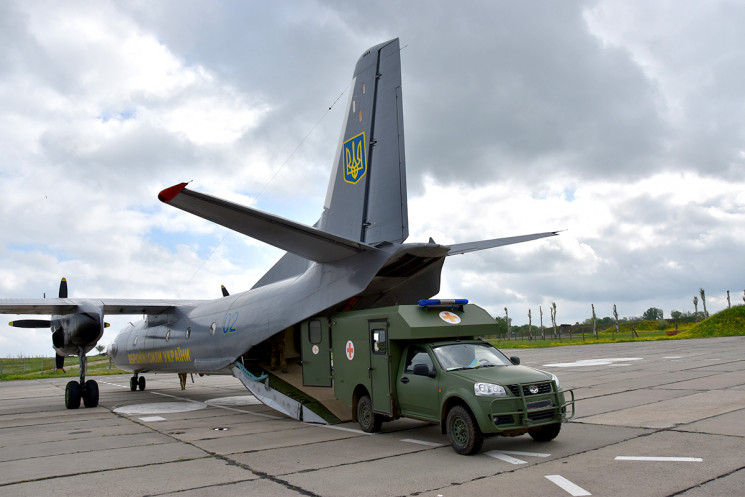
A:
133,383
90,395
546,433
73,393
465,435
141,383
368,420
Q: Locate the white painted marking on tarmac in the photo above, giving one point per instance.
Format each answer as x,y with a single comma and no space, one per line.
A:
593,362
340,428
422,442
160,408
150,419
659,459
569,487
506,455
528,454
673,357
260,414
114,384
240,400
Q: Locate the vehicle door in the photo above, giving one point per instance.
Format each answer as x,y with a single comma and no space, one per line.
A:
380,380
418,394
316,352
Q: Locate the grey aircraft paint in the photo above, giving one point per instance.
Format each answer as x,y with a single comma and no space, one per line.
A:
354,257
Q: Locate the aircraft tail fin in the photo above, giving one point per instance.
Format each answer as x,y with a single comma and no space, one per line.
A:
366,198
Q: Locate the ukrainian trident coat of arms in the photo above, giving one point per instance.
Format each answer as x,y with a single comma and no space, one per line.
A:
355,159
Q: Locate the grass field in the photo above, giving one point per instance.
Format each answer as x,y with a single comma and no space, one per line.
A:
30,368
729,322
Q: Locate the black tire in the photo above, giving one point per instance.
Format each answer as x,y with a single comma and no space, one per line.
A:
133,383
366,417
141,383
463,432
546,433
73,392
90,394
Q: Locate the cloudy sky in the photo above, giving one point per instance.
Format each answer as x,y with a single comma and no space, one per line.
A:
620,122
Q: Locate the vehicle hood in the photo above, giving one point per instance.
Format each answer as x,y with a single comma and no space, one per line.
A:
503,375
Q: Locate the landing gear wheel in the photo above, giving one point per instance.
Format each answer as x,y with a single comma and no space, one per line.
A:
90,394
464,433
133,383
546,433
366,417
141,383
73,392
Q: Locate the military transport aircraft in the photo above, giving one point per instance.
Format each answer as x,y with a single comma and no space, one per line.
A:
354,257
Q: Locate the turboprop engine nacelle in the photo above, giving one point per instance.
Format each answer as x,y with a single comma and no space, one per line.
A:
79,331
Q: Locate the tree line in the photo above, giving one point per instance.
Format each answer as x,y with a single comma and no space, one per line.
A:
505,327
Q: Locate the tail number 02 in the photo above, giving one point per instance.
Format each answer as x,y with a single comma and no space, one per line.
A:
228,324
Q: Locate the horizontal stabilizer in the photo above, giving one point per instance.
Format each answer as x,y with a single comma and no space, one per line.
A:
299,239
462,248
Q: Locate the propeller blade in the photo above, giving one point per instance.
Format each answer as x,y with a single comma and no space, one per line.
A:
59,361
31,323
63,289
224,291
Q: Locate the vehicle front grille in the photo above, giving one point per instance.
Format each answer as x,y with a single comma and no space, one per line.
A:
542,388
540,415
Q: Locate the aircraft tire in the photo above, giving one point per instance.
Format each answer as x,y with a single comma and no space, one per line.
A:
546,433
366,417
133,383
73,392
463,432
141,383
90,394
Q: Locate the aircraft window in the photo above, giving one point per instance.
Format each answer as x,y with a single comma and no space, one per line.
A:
379,341
314,332
213,327
134,344
188,332
417,355
168,335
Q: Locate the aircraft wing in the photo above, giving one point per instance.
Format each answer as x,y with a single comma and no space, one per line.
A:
110,306
462,248
299,239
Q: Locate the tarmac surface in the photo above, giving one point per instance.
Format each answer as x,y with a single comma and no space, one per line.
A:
653,419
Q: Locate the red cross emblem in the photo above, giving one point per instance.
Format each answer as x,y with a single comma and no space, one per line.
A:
449,317
350,350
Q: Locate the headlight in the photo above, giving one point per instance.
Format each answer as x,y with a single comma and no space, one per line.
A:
486,389
555,379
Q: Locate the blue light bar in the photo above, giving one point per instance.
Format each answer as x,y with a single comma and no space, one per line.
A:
435,302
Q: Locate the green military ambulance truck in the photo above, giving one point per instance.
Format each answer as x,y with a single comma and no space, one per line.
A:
427,362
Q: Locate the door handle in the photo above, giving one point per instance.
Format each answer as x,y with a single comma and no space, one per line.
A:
404,380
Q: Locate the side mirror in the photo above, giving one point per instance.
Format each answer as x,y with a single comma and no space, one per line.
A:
515,360
423,370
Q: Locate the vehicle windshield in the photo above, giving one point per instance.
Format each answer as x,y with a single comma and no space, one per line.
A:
469,356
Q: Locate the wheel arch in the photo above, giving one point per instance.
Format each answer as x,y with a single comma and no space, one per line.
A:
359,392
449,403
